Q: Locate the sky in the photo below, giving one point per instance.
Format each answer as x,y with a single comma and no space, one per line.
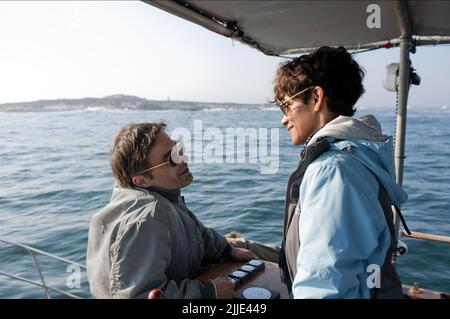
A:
68,49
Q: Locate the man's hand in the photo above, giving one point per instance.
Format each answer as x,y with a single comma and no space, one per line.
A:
224,288
241,254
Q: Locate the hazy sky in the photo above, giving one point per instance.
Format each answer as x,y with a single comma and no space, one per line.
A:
71,49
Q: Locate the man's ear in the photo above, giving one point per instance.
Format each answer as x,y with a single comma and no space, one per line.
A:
141,181
318,97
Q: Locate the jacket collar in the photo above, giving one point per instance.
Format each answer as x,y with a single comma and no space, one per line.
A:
172,195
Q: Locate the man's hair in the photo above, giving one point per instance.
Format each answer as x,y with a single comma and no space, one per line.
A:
132,145
333,69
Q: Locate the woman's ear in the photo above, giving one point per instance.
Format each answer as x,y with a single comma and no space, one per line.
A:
318,97
141,181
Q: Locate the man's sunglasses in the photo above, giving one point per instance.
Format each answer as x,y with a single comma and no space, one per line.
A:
176,157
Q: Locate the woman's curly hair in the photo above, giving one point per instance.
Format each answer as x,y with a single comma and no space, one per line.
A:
333,69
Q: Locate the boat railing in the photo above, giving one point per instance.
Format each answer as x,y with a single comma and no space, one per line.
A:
33,252
425,236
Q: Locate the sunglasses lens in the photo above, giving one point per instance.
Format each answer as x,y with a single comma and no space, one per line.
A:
180,146
177,157
172,162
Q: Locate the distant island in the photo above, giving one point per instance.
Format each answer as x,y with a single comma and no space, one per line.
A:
119,101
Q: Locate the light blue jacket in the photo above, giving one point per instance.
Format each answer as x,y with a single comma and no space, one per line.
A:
342,228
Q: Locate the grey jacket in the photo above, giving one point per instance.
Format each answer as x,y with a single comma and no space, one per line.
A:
145,239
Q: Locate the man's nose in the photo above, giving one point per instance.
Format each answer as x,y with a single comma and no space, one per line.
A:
184,159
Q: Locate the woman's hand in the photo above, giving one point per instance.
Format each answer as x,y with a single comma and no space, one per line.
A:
241,254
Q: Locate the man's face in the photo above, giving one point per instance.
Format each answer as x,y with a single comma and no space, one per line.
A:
167,176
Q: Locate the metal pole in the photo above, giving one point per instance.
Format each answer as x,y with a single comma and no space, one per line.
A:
424,236
34,283
418,41
40,275
404,24
400,135
403,88
185,12
41,252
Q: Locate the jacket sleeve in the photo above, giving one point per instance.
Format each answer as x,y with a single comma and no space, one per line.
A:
340,226
216,246
139,259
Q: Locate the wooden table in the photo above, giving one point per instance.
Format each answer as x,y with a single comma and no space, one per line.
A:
269,278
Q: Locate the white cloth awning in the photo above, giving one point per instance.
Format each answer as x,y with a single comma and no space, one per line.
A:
289,27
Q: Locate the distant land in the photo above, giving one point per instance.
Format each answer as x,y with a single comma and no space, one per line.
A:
119,101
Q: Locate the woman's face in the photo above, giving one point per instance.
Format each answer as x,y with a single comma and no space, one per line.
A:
300,119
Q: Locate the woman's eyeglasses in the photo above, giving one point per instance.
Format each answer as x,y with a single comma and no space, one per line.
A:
176,157
284,107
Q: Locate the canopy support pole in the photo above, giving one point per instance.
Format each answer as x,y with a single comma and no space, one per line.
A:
403,88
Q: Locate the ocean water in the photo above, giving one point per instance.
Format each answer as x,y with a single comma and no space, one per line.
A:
54,175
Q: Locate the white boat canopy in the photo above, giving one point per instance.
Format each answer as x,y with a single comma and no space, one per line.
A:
294,27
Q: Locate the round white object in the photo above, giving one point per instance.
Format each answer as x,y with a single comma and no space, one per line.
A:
255,263
256,293
248,268
239,274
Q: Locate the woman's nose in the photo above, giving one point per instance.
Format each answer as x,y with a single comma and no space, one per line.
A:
284,120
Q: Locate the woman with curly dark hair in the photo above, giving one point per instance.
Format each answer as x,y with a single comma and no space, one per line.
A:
338,233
